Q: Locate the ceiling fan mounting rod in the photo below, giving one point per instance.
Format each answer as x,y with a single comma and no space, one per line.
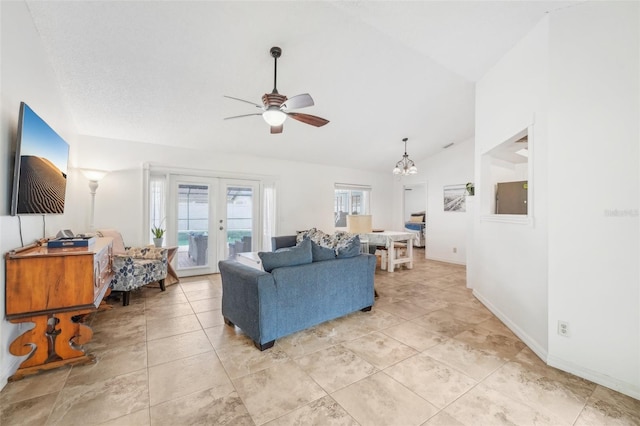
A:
276,52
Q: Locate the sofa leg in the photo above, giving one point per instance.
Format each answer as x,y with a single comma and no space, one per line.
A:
264,346
162,287
367,309
125,298
228,322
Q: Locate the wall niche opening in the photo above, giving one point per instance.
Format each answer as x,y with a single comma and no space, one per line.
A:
507,178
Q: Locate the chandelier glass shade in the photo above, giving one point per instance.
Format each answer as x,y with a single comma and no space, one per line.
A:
405,166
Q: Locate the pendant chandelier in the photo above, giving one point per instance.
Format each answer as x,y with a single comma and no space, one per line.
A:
405,166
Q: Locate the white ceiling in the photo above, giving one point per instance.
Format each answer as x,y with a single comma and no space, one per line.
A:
156,71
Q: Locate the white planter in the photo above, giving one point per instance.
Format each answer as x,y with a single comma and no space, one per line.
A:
158,242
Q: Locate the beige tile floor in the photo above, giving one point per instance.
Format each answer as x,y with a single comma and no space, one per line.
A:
427,354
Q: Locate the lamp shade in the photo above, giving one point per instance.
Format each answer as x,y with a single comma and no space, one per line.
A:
359,223
94,175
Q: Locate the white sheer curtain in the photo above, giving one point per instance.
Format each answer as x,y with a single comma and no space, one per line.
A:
268,215
157,202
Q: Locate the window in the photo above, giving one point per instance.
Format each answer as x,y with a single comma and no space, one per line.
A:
350,199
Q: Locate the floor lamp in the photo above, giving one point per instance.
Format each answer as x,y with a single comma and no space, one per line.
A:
94,177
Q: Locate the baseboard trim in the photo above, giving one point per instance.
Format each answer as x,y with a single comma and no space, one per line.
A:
594,376
9,370
559,363
438,259
538,349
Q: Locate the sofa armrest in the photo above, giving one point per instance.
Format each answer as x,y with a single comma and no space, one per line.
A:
283,241
248,298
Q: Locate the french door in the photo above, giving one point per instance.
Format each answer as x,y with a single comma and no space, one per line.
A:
209,219
240,205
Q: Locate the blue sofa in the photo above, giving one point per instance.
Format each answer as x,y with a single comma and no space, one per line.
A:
270,305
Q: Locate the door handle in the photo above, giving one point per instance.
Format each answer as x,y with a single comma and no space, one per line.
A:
221,228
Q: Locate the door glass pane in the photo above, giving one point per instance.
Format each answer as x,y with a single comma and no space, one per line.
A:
193,225
239,219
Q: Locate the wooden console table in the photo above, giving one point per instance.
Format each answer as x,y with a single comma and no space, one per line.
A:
55,288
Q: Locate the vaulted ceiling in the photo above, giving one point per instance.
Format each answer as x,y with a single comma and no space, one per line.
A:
157,71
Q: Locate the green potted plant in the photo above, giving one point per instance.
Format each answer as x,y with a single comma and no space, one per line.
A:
471,189
158,235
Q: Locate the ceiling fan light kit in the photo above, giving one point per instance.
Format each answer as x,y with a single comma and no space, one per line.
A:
405,166
273,116
275,107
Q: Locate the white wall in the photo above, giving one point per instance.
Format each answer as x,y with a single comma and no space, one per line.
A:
507,264
27,76
305,191
576,76
594,169
445,230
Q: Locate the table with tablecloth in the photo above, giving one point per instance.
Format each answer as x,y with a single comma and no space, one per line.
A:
387,239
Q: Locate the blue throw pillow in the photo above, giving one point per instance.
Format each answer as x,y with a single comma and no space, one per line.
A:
351,249
320,253
289,256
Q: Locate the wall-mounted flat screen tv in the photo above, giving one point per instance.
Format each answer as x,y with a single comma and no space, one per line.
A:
40,171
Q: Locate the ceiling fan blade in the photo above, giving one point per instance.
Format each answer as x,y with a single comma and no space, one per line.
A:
299,101
276,129
242,100
243,115
308,119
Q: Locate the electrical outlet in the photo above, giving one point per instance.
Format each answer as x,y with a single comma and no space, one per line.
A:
563,329
455,249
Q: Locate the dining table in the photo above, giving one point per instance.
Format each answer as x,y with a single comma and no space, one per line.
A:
388,240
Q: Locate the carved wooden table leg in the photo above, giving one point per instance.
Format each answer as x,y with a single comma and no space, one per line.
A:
34,341
53,342
71,333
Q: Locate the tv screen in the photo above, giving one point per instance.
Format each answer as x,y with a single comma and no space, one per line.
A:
40,171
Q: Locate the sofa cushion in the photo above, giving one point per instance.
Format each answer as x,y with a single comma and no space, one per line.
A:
349,248
320,253
313,234
342,244
289,256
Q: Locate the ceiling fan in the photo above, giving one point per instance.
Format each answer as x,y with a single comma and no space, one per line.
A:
276,107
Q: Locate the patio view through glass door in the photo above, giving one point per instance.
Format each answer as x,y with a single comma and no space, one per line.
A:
241,211
209,219
192,222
